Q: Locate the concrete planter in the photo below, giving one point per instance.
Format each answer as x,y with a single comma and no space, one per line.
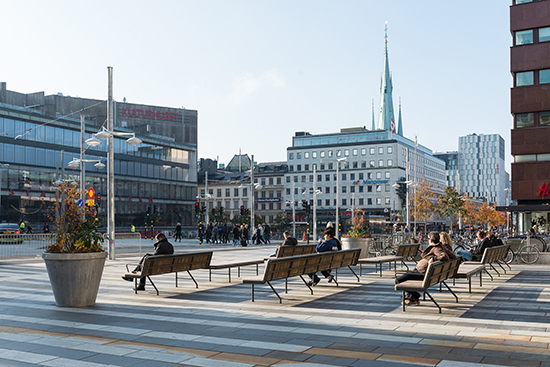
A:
362,243
75,278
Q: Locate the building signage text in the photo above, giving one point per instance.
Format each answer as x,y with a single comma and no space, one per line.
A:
544,189
149,114
371,182
267,200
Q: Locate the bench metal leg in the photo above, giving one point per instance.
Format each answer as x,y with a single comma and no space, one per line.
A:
257,270
505,263
286,285
404,263
480,279
274,291
450,290
176,279
229,274
209,275
349,267
307,285
153,284
504,270
252,292
433,300
403,300
492,267
489,274
196,284
239,271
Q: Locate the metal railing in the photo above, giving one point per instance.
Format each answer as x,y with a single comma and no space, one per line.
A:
23,245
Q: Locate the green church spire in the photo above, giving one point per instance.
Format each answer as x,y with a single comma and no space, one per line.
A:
400,122
373,123
386,119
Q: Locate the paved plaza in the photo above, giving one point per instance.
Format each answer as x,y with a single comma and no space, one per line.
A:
506,322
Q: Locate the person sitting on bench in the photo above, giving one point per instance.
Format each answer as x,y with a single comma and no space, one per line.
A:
434,252
162,247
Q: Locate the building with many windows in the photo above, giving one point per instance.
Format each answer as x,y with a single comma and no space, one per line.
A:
40,134
530,106
359,167
477,168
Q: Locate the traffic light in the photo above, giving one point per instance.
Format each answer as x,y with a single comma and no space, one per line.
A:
197,210
98,199
221,210
242,210
148,212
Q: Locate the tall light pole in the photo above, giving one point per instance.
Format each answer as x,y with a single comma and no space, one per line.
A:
314,202
507,212
206,193
337,229
293,212
252,194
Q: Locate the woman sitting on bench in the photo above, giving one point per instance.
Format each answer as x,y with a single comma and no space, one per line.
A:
434,252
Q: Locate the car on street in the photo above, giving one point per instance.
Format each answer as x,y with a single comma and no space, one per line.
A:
10,233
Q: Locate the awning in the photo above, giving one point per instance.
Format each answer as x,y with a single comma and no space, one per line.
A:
524,208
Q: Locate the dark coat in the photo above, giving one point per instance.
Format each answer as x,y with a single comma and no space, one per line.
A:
290,241
330,245
163,247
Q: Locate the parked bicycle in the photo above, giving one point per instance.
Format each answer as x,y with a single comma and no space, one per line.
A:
529,252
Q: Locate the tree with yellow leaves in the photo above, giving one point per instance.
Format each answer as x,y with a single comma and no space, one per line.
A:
424,201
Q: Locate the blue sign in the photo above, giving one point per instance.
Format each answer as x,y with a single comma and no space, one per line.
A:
267,200
80,202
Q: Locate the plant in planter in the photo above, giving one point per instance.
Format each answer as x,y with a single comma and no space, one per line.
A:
75,257
359,235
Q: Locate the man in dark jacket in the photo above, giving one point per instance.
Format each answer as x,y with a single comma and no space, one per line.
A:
329,244
289,240
162,247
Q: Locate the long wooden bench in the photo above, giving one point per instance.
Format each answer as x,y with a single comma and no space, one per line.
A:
404,252
288,267
282,251
492,255
437,273
165,264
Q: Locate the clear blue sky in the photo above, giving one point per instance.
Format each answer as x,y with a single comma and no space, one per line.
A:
258,71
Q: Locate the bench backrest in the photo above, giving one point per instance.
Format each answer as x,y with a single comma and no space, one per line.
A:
492,254
287,267
163,264
408,250
440,271
286,251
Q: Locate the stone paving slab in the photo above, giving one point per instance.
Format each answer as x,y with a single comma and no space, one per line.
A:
503,323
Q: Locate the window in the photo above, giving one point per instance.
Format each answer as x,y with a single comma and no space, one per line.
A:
327,202
291,168
290,155
390,162
361,201
271,193
381,150
319,178
378,201
525,78
361,188
327,177
236,192
288,191
387,201
355,164
295,178
352,176
369,201
361,176
313,154
327,190
344,177
369,175
263,181
330,153
355,151
322,154
306,167
387,188
278,180
544,118
298,167
371,151
322,166
524,37
381,163
371,164
390,150
338,153
271,180
544,34
378,188
306,155
363,151
303,178
522,1
219,193
330,166
369,188
363,164
346,152
298,155
544,76
387,174
344,189
310,178
378,175
245,192
525,120
352,189
344,202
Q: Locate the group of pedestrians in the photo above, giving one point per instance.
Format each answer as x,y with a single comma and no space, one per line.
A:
262,235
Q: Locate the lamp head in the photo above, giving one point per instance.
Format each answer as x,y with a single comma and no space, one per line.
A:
134,141
93,141
99,165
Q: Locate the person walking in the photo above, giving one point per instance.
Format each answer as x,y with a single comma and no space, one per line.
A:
177,232
267,233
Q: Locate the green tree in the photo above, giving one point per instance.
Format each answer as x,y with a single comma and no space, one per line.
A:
424,201
450,204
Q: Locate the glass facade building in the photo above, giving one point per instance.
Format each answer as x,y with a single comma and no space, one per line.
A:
40,134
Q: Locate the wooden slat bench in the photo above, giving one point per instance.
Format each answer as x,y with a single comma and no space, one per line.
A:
165,264
437,273
492,255
282,251
467,271
287,267
403,252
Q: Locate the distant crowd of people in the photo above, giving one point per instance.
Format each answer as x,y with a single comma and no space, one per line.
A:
238,234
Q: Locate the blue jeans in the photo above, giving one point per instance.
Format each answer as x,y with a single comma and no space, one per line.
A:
467,255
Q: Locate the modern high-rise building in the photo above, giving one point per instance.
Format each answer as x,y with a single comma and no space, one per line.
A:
40,135
530,106
477,168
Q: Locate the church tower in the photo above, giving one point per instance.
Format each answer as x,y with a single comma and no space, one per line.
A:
386,120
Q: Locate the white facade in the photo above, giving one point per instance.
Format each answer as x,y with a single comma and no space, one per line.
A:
482,167
374,161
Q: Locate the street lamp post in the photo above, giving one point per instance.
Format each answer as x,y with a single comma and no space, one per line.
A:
337,228
507,212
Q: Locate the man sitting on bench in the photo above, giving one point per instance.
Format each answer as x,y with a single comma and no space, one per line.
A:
434,252
162,247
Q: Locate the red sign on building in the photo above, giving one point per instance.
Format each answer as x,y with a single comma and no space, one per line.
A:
544,189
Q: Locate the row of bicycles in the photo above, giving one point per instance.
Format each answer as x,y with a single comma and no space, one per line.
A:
525,248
